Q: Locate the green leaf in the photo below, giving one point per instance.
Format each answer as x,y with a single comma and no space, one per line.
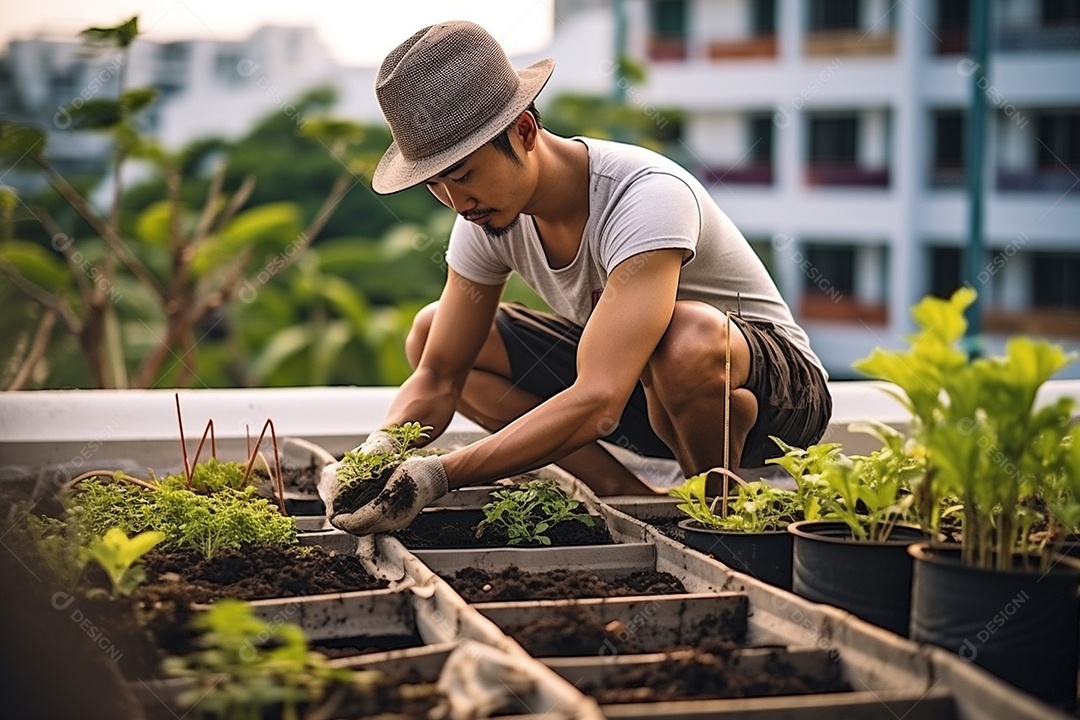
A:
283,345
153,224
138,99
121,35
273,225
20,144
36,264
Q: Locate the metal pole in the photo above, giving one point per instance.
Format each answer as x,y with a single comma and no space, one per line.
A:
619,89
976,160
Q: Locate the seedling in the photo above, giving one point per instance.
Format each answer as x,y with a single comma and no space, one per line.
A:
869,493
531,509
245,665
117,554
757,507
357,467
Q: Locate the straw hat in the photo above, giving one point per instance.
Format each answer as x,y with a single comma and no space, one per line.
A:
445,92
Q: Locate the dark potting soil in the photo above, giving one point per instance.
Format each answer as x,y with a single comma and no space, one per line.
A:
443,529
253,572
512,583
361,493
576,630
713,674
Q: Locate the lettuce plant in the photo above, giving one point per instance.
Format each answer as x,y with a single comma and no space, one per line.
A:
757,507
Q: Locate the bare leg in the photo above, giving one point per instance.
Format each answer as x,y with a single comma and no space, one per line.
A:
686,383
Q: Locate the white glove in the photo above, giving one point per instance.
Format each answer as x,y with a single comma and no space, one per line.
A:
377,442
415,484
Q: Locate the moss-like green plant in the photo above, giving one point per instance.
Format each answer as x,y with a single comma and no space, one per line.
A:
531,509
117,554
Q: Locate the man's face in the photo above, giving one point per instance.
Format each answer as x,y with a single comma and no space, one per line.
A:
487,188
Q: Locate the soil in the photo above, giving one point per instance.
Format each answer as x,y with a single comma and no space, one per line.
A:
577,630
513,583
715,674
445,529
177,579
252,573
361,493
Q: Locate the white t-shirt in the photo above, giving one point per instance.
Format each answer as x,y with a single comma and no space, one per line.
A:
639,201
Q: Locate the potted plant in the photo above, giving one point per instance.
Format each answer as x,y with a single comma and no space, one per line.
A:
749,531
1003,598
854,556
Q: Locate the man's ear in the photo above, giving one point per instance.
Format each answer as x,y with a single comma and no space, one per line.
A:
526,130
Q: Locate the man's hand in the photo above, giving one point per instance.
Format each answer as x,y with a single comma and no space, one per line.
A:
414,485
378,442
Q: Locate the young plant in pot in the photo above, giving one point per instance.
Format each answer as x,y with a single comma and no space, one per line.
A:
747,532
855,555
1003,599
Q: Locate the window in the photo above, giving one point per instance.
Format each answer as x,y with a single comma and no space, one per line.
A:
1060,12
833,139
945,271
1058,140
669,18
1054,280
761,139
947,164
763,17
834,14
830,269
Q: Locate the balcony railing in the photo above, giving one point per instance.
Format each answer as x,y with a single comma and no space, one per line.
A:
667,48
761,46
756,174
1039,180
836,43
838,307
834,173
1048,322
948,176
1062,38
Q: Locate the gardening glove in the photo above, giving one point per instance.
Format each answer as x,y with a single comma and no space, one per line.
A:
328,487
417,482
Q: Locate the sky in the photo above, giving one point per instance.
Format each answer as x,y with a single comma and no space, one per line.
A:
360,32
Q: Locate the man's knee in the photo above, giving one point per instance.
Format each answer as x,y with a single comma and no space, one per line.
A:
692,351
418,334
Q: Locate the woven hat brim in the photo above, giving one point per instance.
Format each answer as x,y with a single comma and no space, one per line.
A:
395,172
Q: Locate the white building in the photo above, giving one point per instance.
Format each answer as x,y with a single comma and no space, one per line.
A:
831,131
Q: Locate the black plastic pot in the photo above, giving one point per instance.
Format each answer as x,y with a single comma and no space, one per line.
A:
765,555
869,579
1020,625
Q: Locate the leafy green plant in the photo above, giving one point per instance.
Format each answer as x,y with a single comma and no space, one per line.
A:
757,506
169,268
117,554
357,467
869,493
244,665
529,510
985,441
227,518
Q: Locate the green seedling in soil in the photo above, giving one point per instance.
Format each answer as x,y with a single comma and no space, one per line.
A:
244,665
869,493
757,507
531,509
364,474
117,554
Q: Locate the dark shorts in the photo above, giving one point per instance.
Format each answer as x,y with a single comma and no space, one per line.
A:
793,399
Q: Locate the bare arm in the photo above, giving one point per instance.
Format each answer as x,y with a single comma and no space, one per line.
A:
461,325
620,337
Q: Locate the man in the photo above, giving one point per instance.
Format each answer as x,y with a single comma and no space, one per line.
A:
665,315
